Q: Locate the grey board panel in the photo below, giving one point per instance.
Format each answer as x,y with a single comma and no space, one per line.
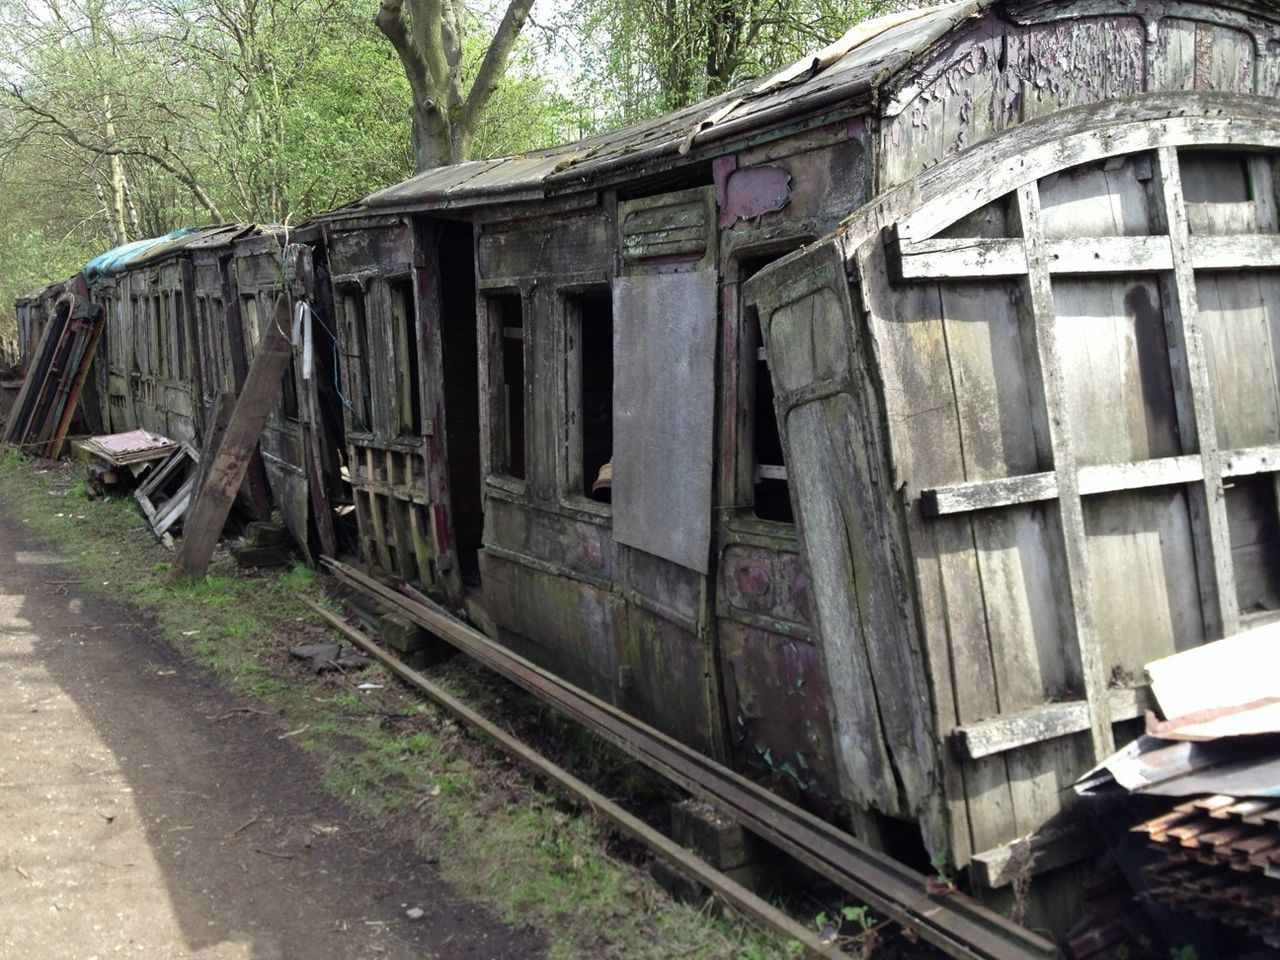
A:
664,337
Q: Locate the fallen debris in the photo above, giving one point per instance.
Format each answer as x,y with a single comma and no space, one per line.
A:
1214,852
324,657
166,494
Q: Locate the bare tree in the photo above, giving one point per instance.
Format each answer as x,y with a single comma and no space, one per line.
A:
427,36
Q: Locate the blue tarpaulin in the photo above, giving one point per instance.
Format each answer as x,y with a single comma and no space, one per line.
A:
115,260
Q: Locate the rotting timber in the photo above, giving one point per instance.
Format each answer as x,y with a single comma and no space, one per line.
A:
864,430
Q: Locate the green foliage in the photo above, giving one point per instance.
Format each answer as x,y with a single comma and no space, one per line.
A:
263,111
639,58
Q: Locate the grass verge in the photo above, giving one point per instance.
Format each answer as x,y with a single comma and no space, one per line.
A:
499,839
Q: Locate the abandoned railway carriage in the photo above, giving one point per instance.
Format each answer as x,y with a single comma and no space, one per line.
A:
1011,383
869,428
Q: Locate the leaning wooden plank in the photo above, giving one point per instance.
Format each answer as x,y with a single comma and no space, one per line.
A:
724,887
228,466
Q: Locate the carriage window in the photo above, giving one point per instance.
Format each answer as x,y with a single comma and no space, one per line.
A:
139,333
184,354
771,495
506,315
356,357
404,319
252,325
589,393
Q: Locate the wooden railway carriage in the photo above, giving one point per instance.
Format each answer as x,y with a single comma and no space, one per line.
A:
301,445
1027,394
153,377
1029,404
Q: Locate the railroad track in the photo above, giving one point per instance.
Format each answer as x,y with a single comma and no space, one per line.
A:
947,919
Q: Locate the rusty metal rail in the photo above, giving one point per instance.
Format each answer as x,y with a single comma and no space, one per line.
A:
732,892
948,919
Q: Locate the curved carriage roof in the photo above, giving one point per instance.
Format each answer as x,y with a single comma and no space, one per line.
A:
138,252
853,65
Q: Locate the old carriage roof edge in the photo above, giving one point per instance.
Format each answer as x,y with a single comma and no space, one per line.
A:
868,54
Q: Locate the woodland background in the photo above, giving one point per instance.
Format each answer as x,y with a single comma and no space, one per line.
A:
122,119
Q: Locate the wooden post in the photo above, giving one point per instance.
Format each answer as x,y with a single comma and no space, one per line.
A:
225,472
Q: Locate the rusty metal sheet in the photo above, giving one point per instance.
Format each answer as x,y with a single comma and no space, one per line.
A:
663,402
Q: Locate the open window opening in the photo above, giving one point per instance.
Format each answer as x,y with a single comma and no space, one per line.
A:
408,376
589,322
771,494
184,352
1254,525
506,312
289,392
460,365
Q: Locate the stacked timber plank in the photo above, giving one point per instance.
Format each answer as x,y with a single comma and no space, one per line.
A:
1219,858
47,401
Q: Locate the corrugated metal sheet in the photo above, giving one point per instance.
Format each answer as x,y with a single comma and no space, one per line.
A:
873,52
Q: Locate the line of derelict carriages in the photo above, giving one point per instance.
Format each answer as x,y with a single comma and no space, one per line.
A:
1026,383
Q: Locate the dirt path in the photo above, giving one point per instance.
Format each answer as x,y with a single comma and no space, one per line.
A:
143,812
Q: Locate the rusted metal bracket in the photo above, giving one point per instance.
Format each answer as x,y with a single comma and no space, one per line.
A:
947,918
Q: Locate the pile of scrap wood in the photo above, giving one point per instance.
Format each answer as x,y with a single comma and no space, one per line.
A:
1194,805
47,401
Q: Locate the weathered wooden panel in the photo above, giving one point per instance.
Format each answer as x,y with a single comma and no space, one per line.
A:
666,682
779,713
1115,362
663,402
578,547
1004,75
665,588
560,623
985,346
1142,566
1105,199
674,225
1195,55
574,245
388,247
1240,317
765,583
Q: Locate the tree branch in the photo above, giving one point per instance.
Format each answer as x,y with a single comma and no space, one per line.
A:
185,177
491,68
390,21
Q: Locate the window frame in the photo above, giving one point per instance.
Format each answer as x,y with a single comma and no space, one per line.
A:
572,481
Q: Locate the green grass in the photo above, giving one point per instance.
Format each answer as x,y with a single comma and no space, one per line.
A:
393,758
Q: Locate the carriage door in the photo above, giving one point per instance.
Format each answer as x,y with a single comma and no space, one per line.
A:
665,301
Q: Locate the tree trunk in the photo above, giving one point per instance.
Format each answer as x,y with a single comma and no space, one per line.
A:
433,140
